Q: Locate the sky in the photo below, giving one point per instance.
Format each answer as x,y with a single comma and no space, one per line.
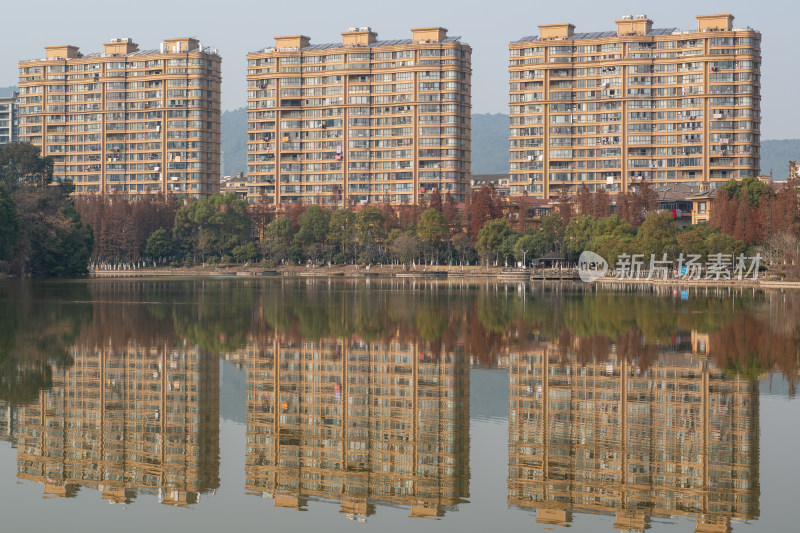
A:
236,27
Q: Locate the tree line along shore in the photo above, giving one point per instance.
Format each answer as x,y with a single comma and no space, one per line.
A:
48,232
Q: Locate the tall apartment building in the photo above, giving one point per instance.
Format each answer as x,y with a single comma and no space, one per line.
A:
8,119
126,121
676,438
362,423
611,109
359,121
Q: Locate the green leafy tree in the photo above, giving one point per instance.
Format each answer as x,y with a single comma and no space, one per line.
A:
704,239
215,224
432,226
578,234
753,188
432,229
277,239
21,165
314,225
657,235
719,243
159,244
491,237
693,240
507,248
9,226
553,229
531,246
370,223
613,226
49,238
245,252
611,247
342,230
52,241
612,238
312,237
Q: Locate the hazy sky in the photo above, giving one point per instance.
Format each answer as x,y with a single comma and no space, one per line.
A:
236,27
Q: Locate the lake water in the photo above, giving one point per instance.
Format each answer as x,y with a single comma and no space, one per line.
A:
317,405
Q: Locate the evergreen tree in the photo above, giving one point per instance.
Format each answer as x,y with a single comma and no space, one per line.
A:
9,226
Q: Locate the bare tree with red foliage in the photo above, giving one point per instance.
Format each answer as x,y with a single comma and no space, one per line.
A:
452,215
722,213
121,227
391,220
634,205
601,204
483,206
566,206
294,212
584,200
436,201
407,215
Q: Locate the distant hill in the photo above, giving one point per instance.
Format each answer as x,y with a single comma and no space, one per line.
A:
490,143
234,141
775,156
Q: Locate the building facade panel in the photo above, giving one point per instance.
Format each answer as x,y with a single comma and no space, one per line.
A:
612,109
127,121
8,119
361,121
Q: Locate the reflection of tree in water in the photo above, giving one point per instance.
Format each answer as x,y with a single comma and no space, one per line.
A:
217,317
38,325
435,320
488,321
749,347
126,313
749,334
209,315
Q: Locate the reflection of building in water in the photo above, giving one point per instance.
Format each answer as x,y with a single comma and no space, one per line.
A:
363,423
8,421
126,422
678,438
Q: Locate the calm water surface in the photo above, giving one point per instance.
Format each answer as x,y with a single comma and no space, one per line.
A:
286,405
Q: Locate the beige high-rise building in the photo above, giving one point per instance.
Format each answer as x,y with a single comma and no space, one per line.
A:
126,121
615,108
360,121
